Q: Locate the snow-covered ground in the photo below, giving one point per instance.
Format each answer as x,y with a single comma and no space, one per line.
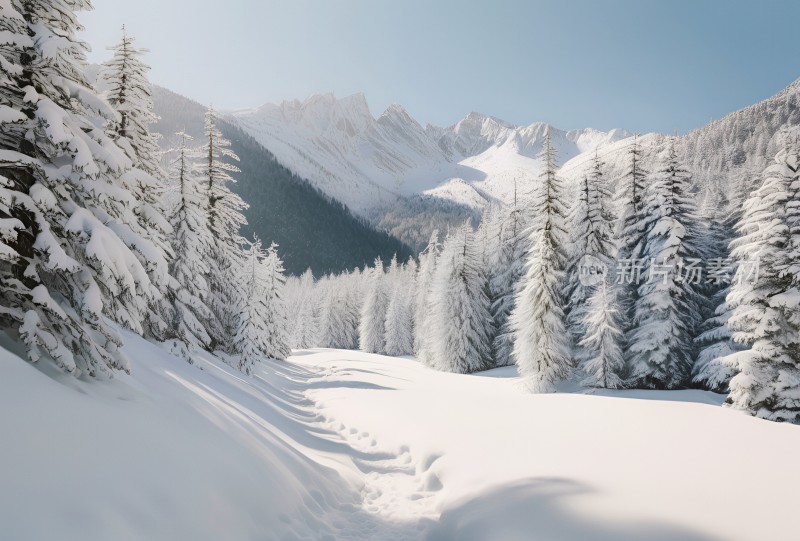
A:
341,445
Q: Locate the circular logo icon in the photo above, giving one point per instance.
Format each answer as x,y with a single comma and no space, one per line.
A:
591,271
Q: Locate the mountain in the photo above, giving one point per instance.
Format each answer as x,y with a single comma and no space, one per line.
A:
372,163
725,156
313,230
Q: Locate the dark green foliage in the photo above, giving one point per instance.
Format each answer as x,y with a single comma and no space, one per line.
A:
311,229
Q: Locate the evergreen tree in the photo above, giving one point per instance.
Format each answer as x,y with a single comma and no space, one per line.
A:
399,312
251,338
425,274
507,275
666,312
304,324
541,348
190,243
372,330
224,221
71,250
130,94
603,362
591,235
764,318
460,320
630,230
275,317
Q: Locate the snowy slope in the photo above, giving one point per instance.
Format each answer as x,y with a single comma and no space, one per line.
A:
339,445
499,464
367,162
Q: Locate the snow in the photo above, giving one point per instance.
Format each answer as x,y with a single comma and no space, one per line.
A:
367,163
342,445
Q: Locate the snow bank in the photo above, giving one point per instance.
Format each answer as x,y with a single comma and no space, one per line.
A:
172,452
339,445
503,465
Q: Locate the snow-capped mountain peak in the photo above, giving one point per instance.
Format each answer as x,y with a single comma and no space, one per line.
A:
368,162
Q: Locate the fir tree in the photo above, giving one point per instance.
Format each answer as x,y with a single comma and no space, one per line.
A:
425,274
372,330
225,219
251,338
131,95
666,312
541,348
603,362
591,236
191,242
275,316
399,312
507,274
460,320
71,250
630,230
764,318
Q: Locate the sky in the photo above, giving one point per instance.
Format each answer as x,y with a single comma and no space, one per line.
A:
642,65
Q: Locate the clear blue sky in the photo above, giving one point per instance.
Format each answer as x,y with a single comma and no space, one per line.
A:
637,64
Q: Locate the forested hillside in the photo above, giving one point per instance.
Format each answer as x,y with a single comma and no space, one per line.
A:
311,229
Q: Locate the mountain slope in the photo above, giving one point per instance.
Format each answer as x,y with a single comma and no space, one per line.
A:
311,229
369,163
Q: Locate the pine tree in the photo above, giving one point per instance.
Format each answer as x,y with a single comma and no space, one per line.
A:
251,338
603,362
130,94
191,241
399,312
460,320
591,236
225,219
716,338
507,275
541,348
630,230
425,274
275,317
666,312
764,317
71,249
372,330
304,324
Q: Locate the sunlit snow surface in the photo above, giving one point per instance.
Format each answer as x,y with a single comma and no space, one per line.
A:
341,445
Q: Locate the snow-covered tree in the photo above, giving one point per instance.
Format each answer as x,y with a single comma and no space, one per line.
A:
459,319
591,236
225,219
765,297
400,311
716,339
276,318
191,241
251,338
506,275
305,327
602,362
630,230
372,329
72,250
131,95
341,302
541,345
666,311
425,273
